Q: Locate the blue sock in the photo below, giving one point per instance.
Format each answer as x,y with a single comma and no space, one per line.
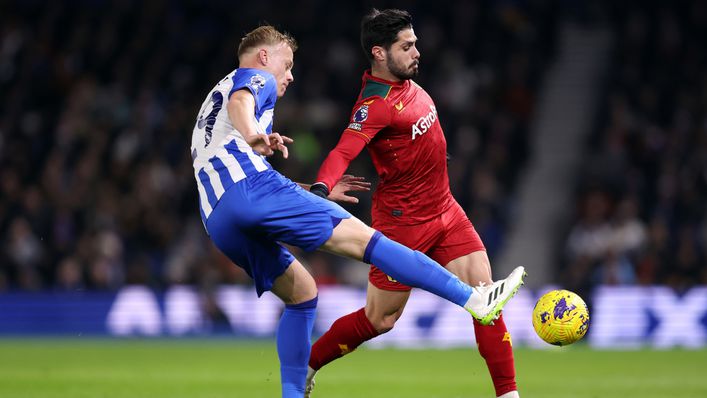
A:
415,269
294,334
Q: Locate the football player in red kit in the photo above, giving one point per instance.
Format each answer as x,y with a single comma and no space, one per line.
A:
398,122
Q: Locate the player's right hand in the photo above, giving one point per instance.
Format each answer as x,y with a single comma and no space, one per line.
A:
346,184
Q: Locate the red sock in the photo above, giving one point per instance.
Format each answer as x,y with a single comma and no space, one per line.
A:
495,346
347,333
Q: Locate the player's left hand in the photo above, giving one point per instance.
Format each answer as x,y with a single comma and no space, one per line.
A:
277,143
348,183
267,144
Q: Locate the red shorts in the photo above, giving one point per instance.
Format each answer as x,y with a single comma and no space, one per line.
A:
445,238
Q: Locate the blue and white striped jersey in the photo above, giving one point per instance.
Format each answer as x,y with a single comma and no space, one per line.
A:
220,154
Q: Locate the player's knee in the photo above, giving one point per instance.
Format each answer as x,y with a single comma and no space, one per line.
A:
303,293
384,324
308,299
350,238
306,295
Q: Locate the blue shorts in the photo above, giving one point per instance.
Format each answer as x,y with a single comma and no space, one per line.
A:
256,213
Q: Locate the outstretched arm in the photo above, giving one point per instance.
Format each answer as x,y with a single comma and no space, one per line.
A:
336,163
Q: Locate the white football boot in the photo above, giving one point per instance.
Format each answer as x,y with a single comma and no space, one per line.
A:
510,394
486,302
309,386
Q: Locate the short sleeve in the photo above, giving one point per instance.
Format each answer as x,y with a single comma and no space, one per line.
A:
368,118
260,83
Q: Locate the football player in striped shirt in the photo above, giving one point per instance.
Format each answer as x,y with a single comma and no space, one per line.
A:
248,208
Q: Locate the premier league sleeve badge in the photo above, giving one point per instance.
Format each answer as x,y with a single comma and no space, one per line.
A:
361,114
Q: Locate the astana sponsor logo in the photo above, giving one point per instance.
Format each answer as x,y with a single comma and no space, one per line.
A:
424,123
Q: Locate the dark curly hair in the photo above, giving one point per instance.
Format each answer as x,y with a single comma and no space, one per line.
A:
381,28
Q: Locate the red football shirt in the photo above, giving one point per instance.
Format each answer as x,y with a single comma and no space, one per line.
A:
399,124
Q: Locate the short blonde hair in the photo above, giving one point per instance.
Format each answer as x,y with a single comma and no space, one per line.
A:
265,35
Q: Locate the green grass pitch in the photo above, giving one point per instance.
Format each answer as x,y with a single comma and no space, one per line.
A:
94,368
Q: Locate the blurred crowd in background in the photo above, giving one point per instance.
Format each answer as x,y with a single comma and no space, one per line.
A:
642,192
99,99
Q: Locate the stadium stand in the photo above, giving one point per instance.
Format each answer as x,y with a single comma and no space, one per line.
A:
641,195
99,99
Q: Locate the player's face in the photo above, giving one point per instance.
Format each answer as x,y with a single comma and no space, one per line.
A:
280,65
403,56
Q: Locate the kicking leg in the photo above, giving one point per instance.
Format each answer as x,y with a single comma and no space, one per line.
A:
354,239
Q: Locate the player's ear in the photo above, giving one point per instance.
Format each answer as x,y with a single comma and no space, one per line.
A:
378,53
263,56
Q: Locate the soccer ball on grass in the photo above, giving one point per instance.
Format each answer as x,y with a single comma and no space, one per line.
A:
560,317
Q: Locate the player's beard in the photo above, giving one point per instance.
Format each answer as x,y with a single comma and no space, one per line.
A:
400,71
